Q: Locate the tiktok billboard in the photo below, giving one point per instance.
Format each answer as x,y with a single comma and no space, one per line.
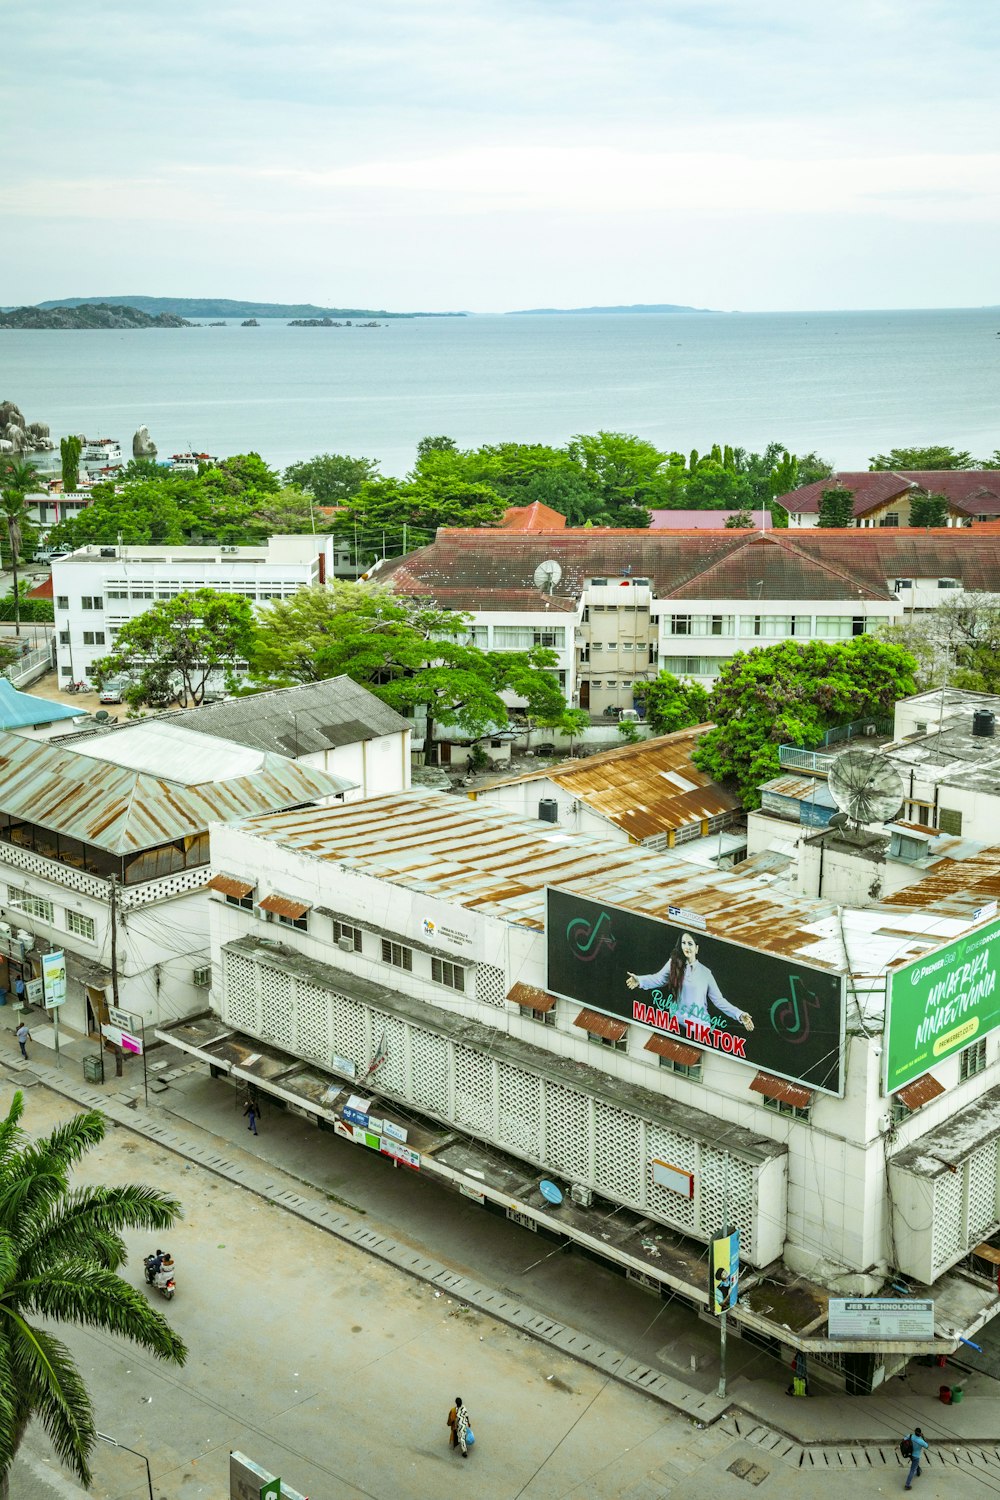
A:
776,1014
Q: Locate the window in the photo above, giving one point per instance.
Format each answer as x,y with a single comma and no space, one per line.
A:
782,1107
32,906
972,1060
949,820
246,901
80,925
117,593
683,1070
92,601
139,594
599,582
397,955
859,625
680,625
949,583
66,671
900,1111
543,1017
891,518
833,626
903,583
93,637
453,975
523,637
605,1041
302,923
64,637
343,934
801,625
62,601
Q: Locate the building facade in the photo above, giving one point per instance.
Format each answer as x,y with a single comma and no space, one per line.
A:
882,498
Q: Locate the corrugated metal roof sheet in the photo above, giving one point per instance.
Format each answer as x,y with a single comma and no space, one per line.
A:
649,788
598,1025
530,996
920,1092
780,1088
298,720
69,791
284,906
665,1046
228,885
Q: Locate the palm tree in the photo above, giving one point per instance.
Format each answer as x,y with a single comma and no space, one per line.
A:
60,1250
17,479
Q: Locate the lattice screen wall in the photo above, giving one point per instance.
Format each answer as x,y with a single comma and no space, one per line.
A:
561,1129
965,1207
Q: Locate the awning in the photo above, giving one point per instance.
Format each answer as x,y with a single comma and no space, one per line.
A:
228,885
665,1046
921,1091
531,997
780,1088
284,906
598,1025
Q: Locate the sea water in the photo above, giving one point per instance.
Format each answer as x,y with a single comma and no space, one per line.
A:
847,385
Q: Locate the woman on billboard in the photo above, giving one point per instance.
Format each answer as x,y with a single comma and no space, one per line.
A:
690,985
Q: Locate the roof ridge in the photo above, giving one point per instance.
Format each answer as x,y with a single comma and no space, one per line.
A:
830,567
740,541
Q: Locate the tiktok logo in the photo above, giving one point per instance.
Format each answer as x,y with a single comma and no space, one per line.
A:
586,939
790,1017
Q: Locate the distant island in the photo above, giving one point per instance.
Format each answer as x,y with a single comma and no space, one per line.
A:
330,323
221,307
634,307
94,315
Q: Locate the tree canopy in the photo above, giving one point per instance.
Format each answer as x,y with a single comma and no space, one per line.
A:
61,1249
409,653
836,507
170,652
671,703
331,478
928,510
956,645
791,694
937,456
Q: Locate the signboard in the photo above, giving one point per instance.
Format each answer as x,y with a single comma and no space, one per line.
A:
880,1318
36,991
724,1271
674,1178
777,1014
124,1019
54,979
939,1003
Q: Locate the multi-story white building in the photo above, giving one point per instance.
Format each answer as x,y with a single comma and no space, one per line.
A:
112,831
403,969
638,602
97,589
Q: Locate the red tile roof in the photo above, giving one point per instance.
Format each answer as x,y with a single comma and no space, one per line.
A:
533,517
493,571
41,590
873,490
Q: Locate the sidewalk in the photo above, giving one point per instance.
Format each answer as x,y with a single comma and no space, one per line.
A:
291,1165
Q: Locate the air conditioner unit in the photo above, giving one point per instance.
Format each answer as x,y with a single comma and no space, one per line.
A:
5,931
25,937
229,549
582,1196
346,943
202,978
109,552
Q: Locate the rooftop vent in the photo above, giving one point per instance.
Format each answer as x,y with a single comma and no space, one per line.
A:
983,723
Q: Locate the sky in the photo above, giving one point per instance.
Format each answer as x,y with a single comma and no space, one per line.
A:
498,154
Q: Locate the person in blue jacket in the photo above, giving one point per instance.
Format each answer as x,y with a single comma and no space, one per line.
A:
691,987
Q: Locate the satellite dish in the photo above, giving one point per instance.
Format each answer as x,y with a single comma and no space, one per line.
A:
839,820
547,575
867,787
550,1192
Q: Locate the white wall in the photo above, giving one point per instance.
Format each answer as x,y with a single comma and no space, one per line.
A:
376,766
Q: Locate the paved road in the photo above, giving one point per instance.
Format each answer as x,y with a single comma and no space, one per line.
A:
337,1372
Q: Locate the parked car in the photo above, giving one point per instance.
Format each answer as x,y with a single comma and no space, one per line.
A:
114,690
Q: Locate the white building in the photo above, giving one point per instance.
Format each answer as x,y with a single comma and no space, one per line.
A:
98,589
335,725
114,828
624,605
406,996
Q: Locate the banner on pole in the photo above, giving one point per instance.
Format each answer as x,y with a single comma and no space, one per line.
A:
54,979
724,1271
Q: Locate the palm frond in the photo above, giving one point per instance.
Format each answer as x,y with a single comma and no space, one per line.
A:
11,1134
42,1368
91,1219
38,1174
78,1292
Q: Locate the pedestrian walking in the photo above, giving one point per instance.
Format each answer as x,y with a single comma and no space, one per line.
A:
461,1428
23,1035
252,1110
19,989
918,1446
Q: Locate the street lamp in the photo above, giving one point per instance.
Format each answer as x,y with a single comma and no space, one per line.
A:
116,1444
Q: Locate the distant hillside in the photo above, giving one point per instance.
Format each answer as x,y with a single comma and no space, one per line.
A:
221,307
634,307
93,315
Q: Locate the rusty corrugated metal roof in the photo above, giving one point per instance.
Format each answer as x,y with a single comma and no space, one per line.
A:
530,996
228,885
920,1092
780,1088
646,789
123,811
284,906
665,1046
598,1025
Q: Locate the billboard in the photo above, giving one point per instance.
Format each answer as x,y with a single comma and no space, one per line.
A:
776,1014
54,978
724,1271
880,1318
940,1003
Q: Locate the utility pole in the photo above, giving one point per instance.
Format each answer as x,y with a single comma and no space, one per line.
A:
725,1302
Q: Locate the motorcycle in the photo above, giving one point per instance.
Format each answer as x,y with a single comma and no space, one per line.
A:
159,1269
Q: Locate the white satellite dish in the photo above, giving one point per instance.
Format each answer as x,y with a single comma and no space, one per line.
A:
547,575
867,787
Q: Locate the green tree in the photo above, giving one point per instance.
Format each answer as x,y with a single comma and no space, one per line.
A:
671,703
61,1249
172,650
740,520
70,449
928,510
429,445
791,694
411,654
331,478
243,473
935,457
836,507
623,469
18,479
812,468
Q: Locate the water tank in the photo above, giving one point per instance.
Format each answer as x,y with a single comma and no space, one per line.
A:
548,810
984,723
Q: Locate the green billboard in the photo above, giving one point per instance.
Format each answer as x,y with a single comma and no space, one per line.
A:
940,1003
